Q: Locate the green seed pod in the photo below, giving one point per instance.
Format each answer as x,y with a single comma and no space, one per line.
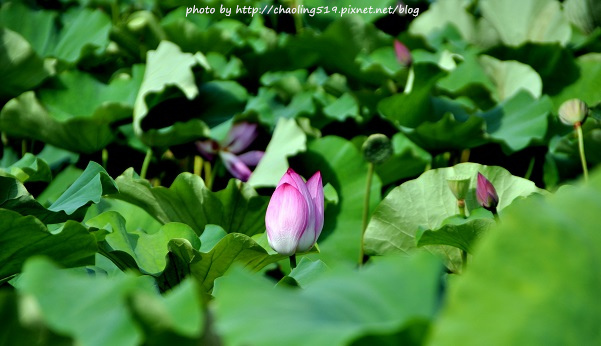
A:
573,111
459,186
377,148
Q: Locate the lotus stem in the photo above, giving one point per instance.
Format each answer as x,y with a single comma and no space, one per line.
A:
292,261
578,127
463,260
105,157
146,163
461,205
370,173
208,175
197,165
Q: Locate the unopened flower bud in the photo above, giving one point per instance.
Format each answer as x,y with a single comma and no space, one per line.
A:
402,53
294,217
573,111
486,194
377,148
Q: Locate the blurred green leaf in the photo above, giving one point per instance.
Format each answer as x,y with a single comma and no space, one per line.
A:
539,21
28,168
427,201
513,274
344,107
25,236
382,299
20,67
22,323
77,114
408,160
442,13
79,95
411,108
518,121
76,304
587,87
81,30
308,271
509,77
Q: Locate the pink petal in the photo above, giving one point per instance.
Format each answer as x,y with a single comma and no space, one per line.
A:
486,193
240,137
235,166
402,53
207,148
315,187
286,219
292,178
252,158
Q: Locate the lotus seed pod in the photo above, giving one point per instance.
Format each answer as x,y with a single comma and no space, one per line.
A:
573,111
377,148
459,186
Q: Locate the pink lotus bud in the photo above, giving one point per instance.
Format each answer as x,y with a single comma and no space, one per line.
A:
402,53
486,193
294,217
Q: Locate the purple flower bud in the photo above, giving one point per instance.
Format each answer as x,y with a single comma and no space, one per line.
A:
486,193
294,217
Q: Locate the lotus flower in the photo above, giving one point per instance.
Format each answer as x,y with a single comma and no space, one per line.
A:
237,140
294,217
486,193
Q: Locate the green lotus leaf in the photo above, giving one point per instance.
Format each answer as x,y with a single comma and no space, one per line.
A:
168,67
82,31
238,248
426,202
237,208
25,236
21,68
76,116
383,300
88,188
148,249
538,21
126,306
513,274
28,168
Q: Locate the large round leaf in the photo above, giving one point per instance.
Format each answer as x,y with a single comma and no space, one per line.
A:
427,201
384,299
